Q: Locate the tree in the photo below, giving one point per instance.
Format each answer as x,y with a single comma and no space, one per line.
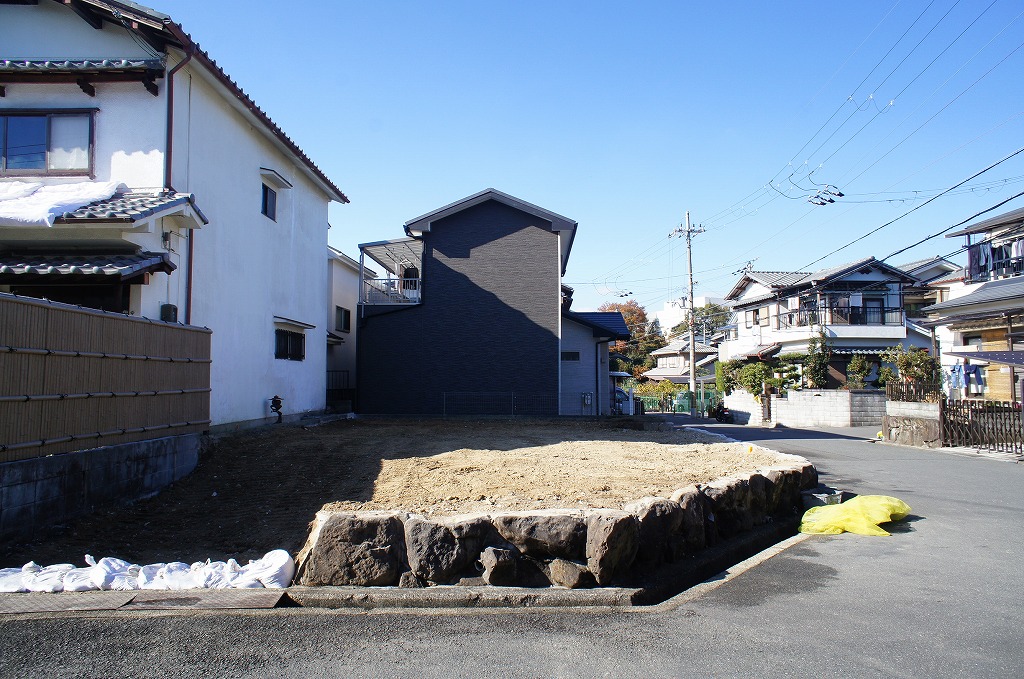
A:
646,336
913,365
707,320
857,371
819,353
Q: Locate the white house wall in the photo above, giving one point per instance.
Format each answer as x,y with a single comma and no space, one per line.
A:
344,292
22,28
249,268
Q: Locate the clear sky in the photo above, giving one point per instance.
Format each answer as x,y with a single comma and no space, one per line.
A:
623,116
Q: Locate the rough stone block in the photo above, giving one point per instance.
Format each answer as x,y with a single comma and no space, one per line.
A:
564,573
545,534
353,549
612,541
693,526
661,538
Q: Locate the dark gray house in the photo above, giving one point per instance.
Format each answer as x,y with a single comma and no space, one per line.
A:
467,317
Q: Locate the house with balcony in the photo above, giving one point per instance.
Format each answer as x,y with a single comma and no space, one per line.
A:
137,177
858,305
673,362
343,274
979,326
467,316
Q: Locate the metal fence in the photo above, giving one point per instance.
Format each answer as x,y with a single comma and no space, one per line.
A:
74,378
518,404
993,425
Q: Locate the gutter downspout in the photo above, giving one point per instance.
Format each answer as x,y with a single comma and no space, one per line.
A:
190,49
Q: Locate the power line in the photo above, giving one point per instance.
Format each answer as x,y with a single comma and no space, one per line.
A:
915,208
950,228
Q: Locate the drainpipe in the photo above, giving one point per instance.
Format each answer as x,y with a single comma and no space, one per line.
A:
190,49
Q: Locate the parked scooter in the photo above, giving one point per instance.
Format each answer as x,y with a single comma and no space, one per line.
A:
720,412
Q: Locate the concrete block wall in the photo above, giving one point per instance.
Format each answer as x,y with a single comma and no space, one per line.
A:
39,493
812,408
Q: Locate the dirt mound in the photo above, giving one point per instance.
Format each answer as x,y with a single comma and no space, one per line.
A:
258,490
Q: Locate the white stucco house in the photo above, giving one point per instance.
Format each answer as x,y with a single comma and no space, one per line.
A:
859,306
343,295
136,176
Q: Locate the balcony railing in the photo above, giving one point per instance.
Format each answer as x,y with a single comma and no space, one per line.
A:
391,291
856,315
841,316
1001,267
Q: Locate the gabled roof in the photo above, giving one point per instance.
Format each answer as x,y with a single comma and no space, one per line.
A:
422,224
604,323
160,31
1006,289
1001,222
917,268
683,346
785,283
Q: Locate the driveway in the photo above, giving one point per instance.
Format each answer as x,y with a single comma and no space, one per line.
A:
941,597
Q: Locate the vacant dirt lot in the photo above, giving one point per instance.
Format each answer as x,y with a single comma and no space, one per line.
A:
257,491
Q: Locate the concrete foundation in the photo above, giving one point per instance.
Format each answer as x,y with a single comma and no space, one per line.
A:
39,493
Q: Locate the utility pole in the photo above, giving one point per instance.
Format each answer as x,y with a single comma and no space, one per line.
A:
690,231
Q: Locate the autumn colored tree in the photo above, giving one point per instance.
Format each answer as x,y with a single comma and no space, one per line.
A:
646,336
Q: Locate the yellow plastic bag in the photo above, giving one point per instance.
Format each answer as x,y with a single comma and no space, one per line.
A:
860,515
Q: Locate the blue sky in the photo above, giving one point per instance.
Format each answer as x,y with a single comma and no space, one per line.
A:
623,116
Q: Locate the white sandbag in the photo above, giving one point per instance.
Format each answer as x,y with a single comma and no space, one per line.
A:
151,576
79,580
177,575
104,570
215,575
10,580
49,579
275,570
124,582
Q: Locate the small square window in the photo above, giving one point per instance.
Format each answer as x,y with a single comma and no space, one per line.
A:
342,319
269,203
570,355
289,345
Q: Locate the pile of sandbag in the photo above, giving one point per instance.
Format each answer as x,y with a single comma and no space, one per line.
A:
275,570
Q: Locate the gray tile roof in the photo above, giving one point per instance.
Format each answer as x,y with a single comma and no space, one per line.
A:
79,65
683,345
1007,289
1014,218
131,207
88,264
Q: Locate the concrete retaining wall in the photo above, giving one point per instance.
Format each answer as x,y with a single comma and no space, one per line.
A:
912,424
562,547
812,408
42,492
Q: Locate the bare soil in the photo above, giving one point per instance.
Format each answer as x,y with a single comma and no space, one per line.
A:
258,490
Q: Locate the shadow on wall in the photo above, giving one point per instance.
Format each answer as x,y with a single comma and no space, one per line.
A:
488,321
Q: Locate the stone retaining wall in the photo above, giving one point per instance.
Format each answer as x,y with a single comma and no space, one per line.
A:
561,547
912,424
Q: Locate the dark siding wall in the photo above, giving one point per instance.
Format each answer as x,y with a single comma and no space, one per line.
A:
488,321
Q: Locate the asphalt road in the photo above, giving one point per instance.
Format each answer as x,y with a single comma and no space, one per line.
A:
939,598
